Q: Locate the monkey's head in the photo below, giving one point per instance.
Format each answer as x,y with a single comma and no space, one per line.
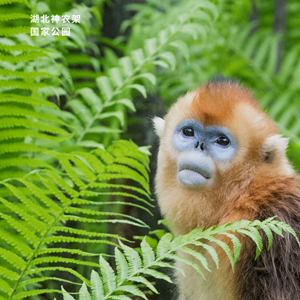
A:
213,143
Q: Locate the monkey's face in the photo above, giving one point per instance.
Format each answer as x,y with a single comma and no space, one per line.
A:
199,148
213,142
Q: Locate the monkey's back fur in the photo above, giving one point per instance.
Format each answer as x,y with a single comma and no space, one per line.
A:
275,275
257,183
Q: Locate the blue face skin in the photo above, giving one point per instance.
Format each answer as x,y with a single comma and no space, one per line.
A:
200,148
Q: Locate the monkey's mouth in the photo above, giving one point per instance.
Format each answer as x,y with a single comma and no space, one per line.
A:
196,170
193,176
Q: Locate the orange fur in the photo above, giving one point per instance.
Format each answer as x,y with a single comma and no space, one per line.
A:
241,187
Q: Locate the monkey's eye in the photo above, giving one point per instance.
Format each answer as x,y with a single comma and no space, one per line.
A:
188,131
223,141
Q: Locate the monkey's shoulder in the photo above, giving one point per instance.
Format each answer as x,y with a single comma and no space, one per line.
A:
275,274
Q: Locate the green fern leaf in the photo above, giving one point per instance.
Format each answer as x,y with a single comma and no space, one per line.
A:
84,293
21,228
169,58
4,286
81,111
66,250
26,99
143,280
119,186
90,144
212,252
3,2
115,77
31,206
126,64
35,292
131,289
13,16
84,232
122,266
268,232
22,48
19,147
21,112
42,196
19,245
236,245
255,236
21,85
197,255
37,280
105,88
168,265
226,248
58,268
97,286
164,245
56,259
14,30
66,239
8,274
117,114
66,295
149,76
156,274
133,163
91,99
12,258
126,102
133,258
26,75
109,277
30,219
140,88
147,253
120,297
188,262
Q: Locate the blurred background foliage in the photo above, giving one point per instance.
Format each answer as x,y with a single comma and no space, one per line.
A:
126,62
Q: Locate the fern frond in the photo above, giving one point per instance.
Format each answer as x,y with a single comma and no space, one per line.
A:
15,30
21,85
22,48
13,16
36,208
130,265
3,2
32,74
33,101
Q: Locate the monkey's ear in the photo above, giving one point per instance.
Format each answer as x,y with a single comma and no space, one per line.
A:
159,125
273,147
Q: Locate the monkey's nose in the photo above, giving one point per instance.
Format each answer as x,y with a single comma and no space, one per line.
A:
202,146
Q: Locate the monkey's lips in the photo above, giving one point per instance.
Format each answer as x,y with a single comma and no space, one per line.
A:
193,176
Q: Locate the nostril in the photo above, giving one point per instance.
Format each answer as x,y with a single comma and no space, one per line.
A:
202,146
197,144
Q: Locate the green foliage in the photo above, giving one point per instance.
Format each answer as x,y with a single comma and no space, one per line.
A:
133,269
134,72
65,186
260,53
35,211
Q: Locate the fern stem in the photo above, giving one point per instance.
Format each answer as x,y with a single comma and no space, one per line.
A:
33,255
